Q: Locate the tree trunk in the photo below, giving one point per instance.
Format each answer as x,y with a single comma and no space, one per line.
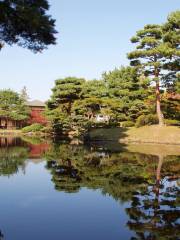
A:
158,177
158,105
69,107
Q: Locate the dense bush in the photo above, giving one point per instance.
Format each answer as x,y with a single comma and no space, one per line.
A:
171,122
127,124
149,119
47,129
36,127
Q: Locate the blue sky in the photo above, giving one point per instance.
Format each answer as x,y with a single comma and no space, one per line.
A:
93,38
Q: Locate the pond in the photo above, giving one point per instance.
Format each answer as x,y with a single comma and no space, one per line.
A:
102,190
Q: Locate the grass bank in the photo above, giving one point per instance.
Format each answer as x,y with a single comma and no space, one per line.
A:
148,134
20,133
9,132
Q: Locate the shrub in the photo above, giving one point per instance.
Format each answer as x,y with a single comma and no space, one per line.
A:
149,119
36,127
172,122
47,129
127,124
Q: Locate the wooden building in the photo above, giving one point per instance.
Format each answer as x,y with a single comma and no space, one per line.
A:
36,116
8,123
36,112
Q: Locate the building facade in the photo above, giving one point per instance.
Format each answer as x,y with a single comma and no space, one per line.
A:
36,115
37,109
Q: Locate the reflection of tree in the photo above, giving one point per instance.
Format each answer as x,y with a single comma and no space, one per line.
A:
154,213
14,152
1,235
11,159
126,177
114,173
153,218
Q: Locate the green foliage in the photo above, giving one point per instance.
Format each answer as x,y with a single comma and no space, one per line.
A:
126,85
59,107
172,122
27,24
171,107
122,83
36,127
171,36
171,29
125,94
143,120
12,105
75,103
158,49
65,92
95,88
177,84
12,159
127,124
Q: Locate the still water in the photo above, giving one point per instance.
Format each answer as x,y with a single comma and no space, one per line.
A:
105,191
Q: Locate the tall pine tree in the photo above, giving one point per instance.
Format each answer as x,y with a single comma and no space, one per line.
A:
150,56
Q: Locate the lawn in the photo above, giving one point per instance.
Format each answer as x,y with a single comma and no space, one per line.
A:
146,134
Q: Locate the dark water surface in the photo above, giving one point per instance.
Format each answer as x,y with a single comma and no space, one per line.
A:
105,191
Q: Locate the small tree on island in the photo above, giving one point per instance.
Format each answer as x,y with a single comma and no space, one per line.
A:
59,107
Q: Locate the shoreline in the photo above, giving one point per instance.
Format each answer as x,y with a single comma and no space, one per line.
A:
168,135
19,133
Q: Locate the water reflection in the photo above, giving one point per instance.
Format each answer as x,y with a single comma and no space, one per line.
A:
1,235
14,152
149,182
144,176
12,156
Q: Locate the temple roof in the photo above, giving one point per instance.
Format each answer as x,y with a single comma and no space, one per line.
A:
35,103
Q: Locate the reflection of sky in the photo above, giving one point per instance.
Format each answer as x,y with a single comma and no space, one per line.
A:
31,209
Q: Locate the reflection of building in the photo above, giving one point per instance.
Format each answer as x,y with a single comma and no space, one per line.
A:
37,150
10,142
36,114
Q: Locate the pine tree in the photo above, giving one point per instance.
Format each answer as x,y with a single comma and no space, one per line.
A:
150,55
131,90
157,50
24,94
59,107
171,36
27,24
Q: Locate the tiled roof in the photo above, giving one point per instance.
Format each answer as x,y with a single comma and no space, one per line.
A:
35,103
